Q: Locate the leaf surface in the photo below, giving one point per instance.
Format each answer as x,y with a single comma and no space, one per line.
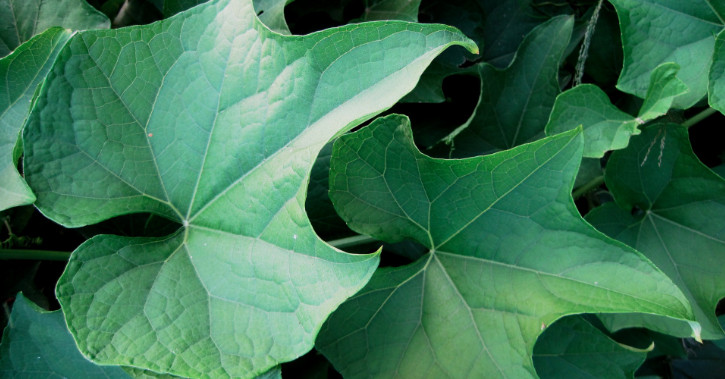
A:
20,20
515,102
508,253
659,31
574,348
670,207
606,127
36,343
22,72
211,120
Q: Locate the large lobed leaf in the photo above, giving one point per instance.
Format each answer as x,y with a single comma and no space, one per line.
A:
670,207
209,119
509,255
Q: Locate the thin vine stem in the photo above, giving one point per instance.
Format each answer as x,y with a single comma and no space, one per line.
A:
36,255
699,117
592,184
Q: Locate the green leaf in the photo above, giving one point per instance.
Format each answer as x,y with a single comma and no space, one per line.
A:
716,87
213,121
508,255
36,343
659,31
22,71
169,8
20,20
574,348
515,102
670,207
271,13
406,10
606,127
664,87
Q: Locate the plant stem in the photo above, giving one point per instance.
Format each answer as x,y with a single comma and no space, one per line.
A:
699,117
351,241
594,183
37,255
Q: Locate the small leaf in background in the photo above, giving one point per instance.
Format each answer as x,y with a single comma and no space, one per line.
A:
212,121
515,102
508,255
20,20
169,8
405,10
574,348
22,72
36,343
271,13
659,31
606,127
716,87
670,207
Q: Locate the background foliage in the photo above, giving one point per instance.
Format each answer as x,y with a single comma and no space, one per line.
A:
530,225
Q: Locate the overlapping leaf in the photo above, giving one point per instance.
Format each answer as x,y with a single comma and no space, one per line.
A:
509,254
670,207
20,20
515,102
209,119
21,72
36,343
606,127
574,348
660,31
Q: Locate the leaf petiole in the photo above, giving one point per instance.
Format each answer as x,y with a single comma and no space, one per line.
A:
41,255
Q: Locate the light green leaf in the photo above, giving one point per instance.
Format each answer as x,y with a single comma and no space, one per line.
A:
271,13
21,72
659,31
574,348
213,121
508,255
20,20
670,207
716,88
606,127
664,87
36,343
515,103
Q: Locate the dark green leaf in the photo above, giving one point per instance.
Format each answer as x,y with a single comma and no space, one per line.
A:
670,207
36,343
659,31
515,103
508,255
20,20
574,348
